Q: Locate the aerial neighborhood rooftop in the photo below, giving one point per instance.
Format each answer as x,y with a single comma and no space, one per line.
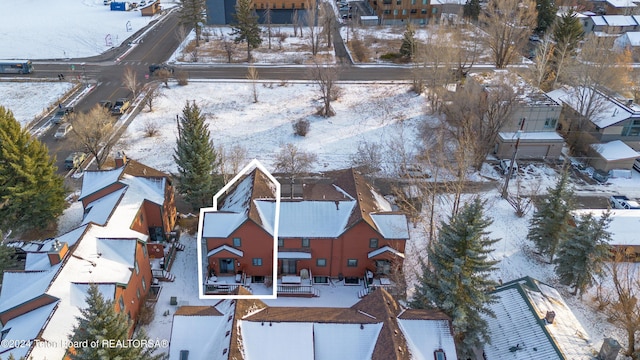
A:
350,179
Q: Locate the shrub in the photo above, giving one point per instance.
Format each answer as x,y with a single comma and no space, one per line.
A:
301,127
150,128
182,78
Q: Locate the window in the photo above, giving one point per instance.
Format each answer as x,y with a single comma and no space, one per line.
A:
424,2
386,12
414,11
121,303
352,262
435,10
305,242
423,11
301,5
141,218
320,279
257,261
550,123
144,284
321,262
404,11
144,251
138,293
386,2
439,355
283,5
280,242
373,243
632,128
395,12
413,2
398,2
237,242
135,265
4,333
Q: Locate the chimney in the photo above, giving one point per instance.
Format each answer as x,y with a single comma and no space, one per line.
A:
609,350
629,102
121,159
551,315
337,205
57,252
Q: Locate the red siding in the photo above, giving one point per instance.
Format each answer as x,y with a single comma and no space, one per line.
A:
129,293
97,195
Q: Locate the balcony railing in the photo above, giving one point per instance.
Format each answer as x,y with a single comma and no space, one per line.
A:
218,289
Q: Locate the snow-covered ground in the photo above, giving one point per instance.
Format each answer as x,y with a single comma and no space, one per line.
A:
42,29
31,100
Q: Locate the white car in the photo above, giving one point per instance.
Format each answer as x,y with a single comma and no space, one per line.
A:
62,131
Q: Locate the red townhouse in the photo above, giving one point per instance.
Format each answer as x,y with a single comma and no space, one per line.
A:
336,227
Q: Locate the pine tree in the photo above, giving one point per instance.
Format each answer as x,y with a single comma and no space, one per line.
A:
471,9
582,255
196,158
31,193
408,47
246,27
550,222
100,322
6,259
456,278
192,15
546,14
568,32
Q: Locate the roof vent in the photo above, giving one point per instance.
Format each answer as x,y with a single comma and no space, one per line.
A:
337,205
550,317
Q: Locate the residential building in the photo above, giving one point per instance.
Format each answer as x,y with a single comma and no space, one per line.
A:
337,227
533,118
607,25
110,248
221,12
629,41
612,155
532,321
398,12
612,117
376,327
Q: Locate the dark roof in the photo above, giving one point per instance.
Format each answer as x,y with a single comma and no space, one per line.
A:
381,304
198,311
423,314
138,169
312,314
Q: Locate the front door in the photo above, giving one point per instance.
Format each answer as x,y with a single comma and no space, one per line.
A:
289,266
226,266
156,234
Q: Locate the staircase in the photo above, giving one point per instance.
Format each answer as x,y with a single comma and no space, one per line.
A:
179,246
163,275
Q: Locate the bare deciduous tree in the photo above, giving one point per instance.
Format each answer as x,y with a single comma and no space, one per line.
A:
621,305
434,61
508,25
252,75
93,133
181,33
268,22
368,157
325,76
293,161
130,81
541,70
229,47
328,22
467,46
231,159
152,94
312,31
521,202
295,22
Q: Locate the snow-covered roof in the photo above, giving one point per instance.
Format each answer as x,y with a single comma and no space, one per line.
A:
525,93
384,249
444,2
99,210
307,340
293,255
391,226
519,330
633,38
615,150
316,219
79,292
598,20
610,111
238,200
623,227
620,20
621,3
538,135
203,336
37,261
19,287
94,181
426,336
24,328
220,224
225,248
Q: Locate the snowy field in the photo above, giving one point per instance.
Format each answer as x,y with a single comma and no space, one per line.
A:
42,29
29,101
384,114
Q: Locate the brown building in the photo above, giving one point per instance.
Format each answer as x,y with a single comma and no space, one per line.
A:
337,227
127,210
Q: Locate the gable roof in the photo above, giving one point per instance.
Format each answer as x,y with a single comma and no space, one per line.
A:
94,181
19,287
203,331
98,211
24,328
519,330
615,150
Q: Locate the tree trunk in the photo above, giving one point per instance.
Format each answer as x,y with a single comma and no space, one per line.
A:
631,336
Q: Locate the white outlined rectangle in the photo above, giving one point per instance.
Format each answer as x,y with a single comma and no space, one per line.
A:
254,164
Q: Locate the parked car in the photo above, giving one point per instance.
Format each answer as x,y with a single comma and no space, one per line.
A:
504,167
120,106
534,38
155,67
106,104
414,171
636,165
600,176
61,115
623,202
62,131
74,160
106,2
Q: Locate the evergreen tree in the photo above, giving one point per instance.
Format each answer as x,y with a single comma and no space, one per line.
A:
196,158
471,9
246,27
582,255
193,14
100,321
550,222
6,259
567,32
456,278
546,14
31,193
409,44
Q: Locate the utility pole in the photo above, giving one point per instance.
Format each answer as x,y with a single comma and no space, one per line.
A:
505,189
